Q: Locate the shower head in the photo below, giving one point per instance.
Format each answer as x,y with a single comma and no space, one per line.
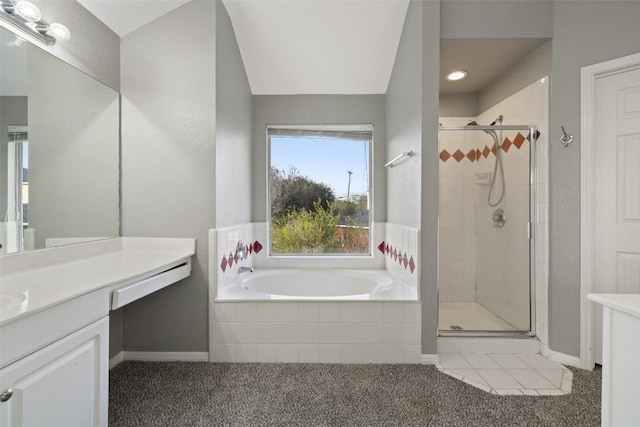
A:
489,132
497,121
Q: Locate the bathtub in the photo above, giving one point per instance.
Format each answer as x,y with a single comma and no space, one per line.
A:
316,284
315,316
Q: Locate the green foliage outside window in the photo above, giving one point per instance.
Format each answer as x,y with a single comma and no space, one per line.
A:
306,218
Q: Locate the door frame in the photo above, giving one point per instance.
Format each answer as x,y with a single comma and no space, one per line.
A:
588,77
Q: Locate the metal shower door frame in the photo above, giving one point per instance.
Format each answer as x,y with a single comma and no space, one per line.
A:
533,195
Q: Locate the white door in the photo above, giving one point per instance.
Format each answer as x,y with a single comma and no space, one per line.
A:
617,187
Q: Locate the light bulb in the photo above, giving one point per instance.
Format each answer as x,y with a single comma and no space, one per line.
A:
28,11
457,75
58,32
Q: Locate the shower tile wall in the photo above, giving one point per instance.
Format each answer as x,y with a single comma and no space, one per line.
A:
480,263
509,299
457,238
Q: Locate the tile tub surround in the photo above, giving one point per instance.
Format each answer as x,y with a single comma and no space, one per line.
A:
244,329
508,374
403,265
315,332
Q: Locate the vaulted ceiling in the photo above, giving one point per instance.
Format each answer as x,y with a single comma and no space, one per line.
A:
326,46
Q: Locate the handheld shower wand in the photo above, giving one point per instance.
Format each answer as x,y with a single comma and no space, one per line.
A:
498,163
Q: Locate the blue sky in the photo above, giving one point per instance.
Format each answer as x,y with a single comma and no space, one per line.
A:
325,160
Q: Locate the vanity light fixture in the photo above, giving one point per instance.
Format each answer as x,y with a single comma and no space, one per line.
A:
26,17
457,75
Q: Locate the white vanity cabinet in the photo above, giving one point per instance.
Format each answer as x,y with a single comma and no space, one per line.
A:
620,355
62,384
54,325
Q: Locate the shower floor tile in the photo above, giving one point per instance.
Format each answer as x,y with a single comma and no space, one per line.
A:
535,375
469,316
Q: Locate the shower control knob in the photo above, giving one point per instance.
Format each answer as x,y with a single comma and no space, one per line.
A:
499,218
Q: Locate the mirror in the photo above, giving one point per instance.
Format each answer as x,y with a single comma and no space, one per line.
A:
59,151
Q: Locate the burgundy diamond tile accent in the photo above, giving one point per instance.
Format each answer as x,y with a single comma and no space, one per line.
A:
235,257
400,258
381,247
386,248
494,149
506,145
395,255
223,264
471,155
478,154
444,155
486,152
250,248
412,265
405,260
519,140
257,247
458,155
230,259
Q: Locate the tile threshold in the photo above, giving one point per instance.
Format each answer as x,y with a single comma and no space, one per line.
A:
538,370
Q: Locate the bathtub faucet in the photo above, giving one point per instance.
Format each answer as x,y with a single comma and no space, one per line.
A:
245,270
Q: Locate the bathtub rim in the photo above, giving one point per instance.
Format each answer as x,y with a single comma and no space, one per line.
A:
396,285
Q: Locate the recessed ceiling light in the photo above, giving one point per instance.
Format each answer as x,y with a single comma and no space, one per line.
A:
457,75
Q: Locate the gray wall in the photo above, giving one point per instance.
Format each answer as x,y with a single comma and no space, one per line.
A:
531,68
93,47
461,19
412,123
584,33
316,109
233,128
459,105
429,185
13,111
168,165
74,152
403,107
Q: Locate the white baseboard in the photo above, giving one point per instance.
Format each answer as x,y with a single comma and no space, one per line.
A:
545,351
565,359
159,356
116,360
430,359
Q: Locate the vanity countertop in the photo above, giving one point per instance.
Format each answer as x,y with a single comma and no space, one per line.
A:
34,281
626,303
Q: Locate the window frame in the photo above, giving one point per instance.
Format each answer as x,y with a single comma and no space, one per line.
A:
354,127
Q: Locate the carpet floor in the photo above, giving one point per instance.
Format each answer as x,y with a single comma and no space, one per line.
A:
206,394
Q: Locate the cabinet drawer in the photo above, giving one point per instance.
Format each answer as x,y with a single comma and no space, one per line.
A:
127,294
28,334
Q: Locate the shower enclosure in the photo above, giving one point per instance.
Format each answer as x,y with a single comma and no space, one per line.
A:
485,244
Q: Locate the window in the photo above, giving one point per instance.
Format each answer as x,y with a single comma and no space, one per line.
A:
320,190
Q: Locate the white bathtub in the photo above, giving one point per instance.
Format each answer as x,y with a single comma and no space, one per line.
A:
317,284
316,316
